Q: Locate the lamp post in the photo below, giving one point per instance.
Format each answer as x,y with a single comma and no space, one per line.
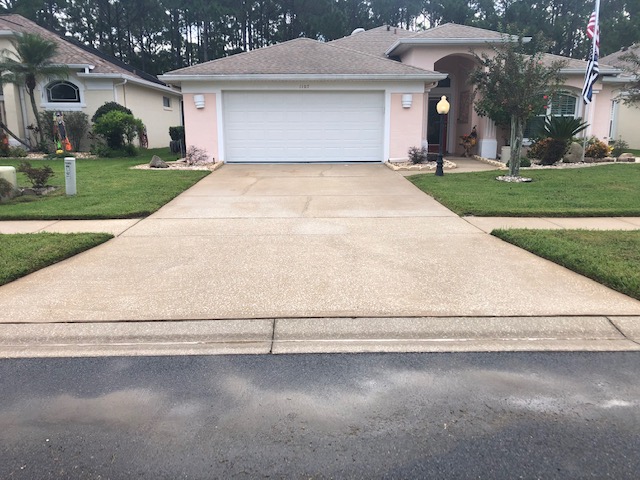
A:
443,109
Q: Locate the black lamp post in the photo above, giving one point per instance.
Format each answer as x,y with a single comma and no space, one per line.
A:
443,109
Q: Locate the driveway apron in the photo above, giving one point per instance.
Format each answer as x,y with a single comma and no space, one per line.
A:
274,241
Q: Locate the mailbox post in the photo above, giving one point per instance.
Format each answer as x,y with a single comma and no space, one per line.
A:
70,175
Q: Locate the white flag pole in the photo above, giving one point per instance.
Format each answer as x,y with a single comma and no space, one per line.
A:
594,48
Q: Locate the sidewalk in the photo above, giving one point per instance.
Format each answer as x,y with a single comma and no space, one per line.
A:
117,227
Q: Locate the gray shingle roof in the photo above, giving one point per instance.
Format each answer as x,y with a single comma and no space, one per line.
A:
375,41
67,52
616,60
453,30
301,56
579,66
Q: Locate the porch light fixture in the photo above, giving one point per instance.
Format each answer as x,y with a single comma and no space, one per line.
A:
198,100
443,109
407,100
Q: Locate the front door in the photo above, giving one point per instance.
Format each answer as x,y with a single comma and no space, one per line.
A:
433,127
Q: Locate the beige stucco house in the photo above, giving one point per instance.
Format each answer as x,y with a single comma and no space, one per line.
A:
93,80
625,118
369,96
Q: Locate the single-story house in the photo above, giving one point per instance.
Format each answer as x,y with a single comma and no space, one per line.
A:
625,118
369,96
94,79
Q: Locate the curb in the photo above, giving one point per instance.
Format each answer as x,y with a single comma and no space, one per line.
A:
320,335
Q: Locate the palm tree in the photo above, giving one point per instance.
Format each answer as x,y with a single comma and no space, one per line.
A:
30,62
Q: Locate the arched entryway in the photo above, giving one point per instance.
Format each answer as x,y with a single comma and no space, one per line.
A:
462,117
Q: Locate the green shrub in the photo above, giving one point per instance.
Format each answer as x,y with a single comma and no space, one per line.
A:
548,150
103,151
117,128
596,148
16,152
109,107
176,133
39,177
524,162
618,147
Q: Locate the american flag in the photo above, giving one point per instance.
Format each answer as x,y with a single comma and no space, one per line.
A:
593,70
594,31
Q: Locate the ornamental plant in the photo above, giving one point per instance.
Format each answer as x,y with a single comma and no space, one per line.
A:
596,148
511,84
117,127
558,132
37,176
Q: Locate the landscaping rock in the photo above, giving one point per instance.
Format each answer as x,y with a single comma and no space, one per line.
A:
7,190
626,157
574,155
512,179
38,191
157,162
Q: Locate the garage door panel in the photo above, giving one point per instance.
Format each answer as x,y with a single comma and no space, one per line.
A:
303,126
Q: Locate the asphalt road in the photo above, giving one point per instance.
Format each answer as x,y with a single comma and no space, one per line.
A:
503,415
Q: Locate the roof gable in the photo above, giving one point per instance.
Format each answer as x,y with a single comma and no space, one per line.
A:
302,56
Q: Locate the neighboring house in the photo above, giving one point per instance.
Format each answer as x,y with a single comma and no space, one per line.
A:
366,97
625,118
94,79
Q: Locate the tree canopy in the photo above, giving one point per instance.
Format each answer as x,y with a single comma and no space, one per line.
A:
161,35
513,86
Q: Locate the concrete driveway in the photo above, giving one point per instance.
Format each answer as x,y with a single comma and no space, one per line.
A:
274,241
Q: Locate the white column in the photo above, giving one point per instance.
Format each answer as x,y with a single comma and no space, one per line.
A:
487,142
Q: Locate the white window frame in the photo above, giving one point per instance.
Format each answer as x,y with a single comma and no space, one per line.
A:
66,106
51,85
167,103
548,113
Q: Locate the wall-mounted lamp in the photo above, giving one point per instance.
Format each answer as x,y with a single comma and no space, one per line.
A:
407,100
198,100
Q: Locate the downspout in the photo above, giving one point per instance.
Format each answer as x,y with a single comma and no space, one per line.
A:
124,92
25,117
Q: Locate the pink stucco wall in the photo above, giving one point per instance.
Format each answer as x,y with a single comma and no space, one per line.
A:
598,114
406,125
201,125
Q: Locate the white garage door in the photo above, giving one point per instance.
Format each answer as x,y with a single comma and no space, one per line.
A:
303,126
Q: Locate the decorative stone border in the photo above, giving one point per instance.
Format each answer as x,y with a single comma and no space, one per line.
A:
178,165
408,166
495,163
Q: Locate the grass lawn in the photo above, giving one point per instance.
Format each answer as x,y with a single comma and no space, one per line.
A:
26,253
106,188
608,257
601,191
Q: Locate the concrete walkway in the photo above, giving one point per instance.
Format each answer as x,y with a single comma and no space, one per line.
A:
293,244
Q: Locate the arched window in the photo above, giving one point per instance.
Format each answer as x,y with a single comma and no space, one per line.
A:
63,92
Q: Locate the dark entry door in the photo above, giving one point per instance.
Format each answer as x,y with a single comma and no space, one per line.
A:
433,127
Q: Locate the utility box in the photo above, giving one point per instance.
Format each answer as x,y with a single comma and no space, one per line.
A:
9,174
70,175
